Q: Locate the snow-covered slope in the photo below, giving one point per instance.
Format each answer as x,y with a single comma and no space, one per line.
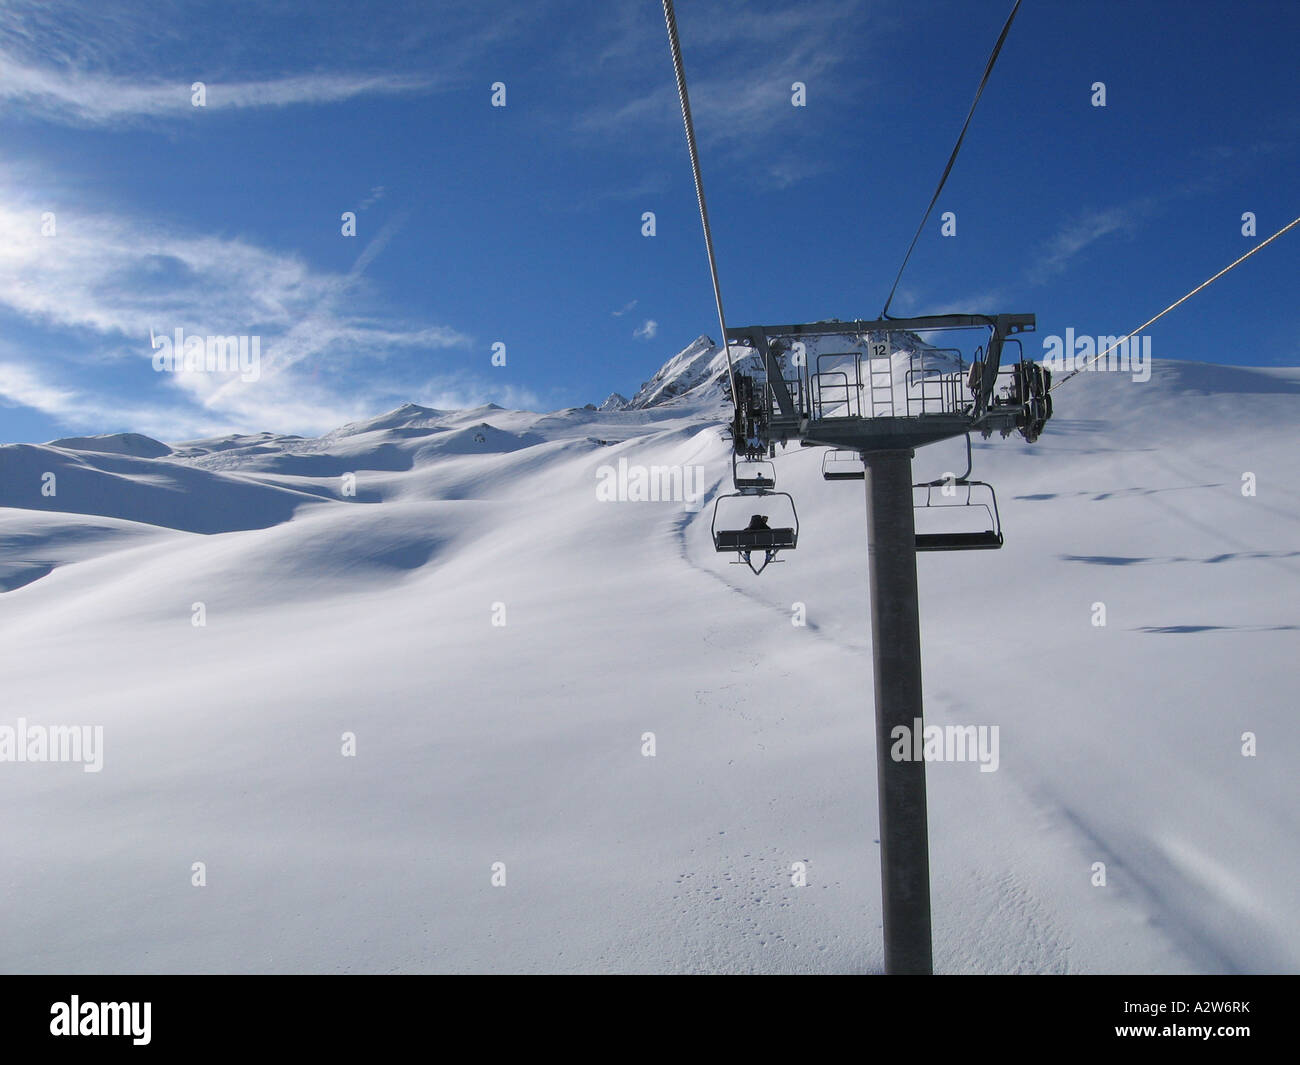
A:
116,444
449,589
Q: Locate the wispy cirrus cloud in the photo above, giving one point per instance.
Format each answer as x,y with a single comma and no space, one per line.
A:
741,70
1072,238
21,385
119,62
99,284
1081,232
91,410
376,194
84,98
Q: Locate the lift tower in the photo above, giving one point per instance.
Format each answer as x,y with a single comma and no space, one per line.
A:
877,389
881,389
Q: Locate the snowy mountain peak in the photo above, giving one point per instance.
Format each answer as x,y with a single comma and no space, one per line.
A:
699,366
407,416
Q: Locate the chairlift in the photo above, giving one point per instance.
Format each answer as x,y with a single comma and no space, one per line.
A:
751,476
970,496
959,498
754,518
843,464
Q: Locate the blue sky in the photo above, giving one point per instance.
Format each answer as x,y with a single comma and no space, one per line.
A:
522,225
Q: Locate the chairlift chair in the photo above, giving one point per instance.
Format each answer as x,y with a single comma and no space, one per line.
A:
843,464
987,537
754,482
751,476
971,496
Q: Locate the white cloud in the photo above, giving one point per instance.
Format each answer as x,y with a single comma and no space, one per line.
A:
103,282
1080,233
89,410
113,62
460,392
20,385
740,72
624,309
87,98
646,331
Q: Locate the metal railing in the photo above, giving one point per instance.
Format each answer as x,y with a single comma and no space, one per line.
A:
937,388
831,388
857,385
